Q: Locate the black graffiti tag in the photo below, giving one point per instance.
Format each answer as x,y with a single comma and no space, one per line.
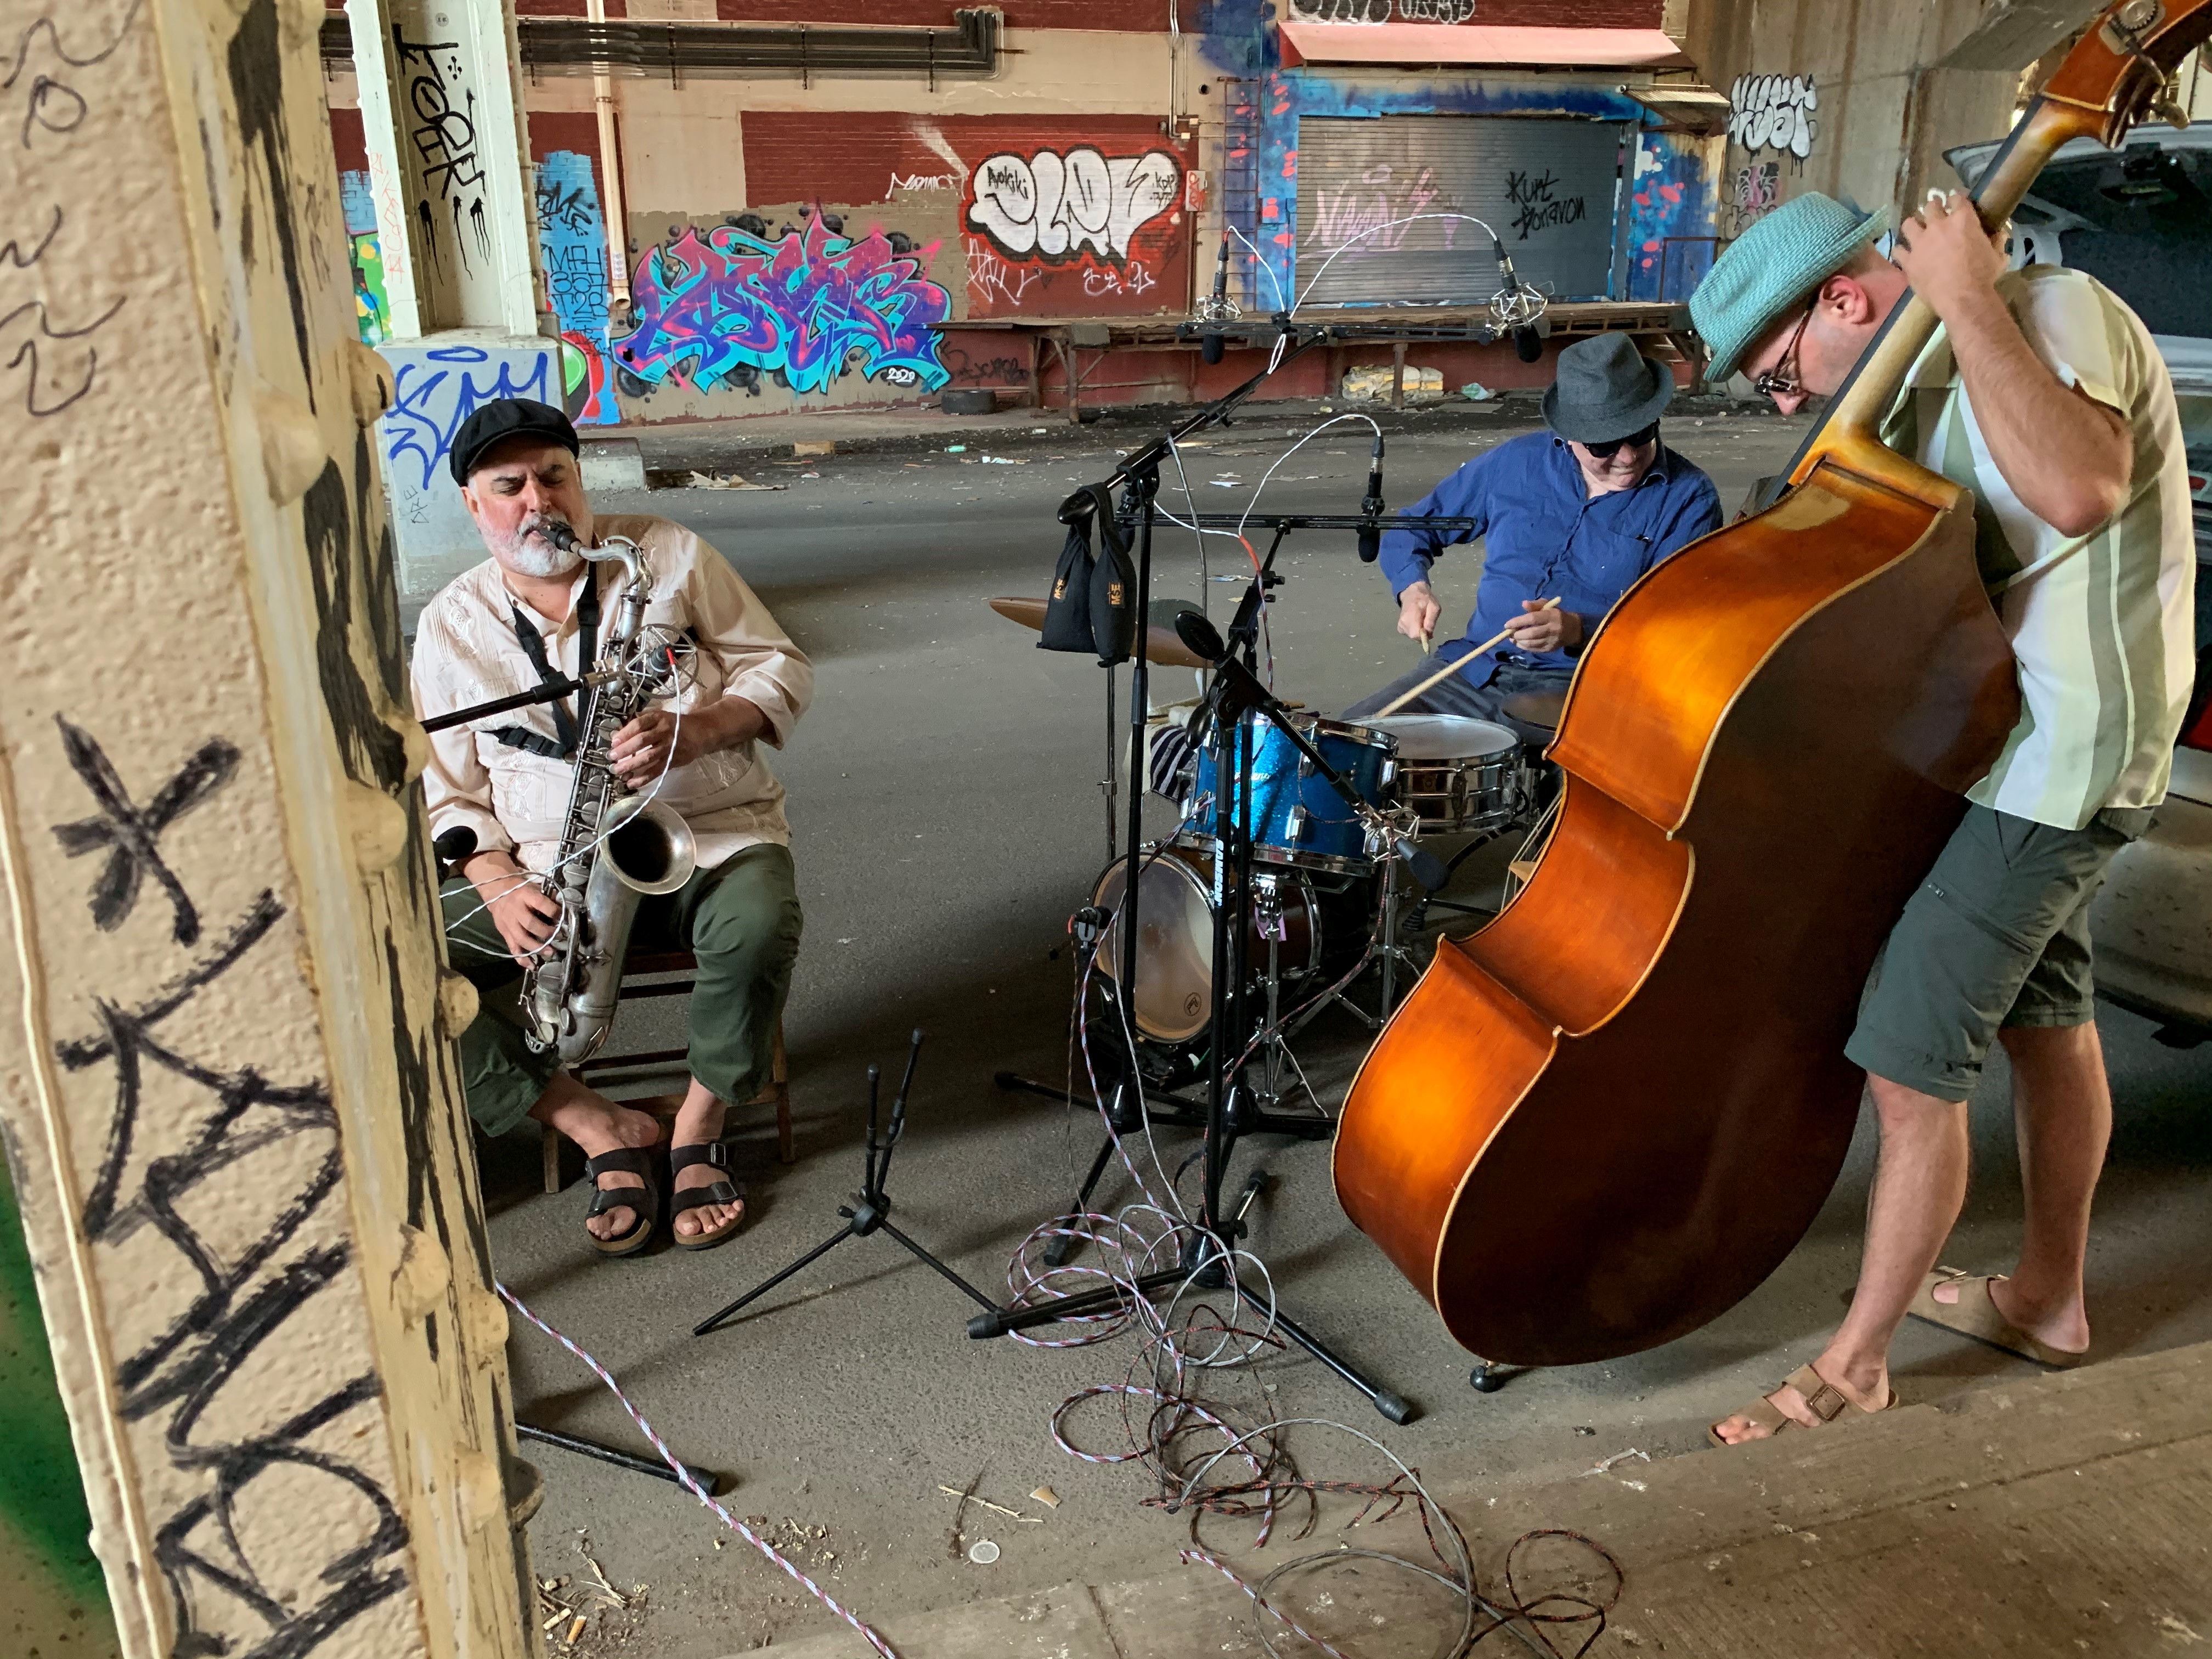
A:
1535,207
241,1294
130,833
445,138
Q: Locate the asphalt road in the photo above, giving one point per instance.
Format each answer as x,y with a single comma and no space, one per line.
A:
945,800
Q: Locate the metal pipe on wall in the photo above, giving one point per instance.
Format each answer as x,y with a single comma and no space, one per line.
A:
603,104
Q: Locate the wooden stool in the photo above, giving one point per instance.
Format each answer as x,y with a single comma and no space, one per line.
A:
673,974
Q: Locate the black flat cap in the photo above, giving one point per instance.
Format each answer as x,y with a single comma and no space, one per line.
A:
509,418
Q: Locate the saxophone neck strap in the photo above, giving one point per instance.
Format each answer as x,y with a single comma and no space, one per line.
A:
533,647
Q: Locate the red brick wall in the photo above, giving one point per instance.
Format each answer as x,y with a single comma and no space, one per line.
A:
853,158
1569,14
347,138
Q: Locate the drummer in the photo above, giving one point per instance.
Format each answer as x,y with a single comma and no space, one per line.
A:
1576,513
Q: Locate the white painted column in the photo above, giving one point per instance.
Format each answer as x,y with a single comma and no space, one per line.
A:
227,1087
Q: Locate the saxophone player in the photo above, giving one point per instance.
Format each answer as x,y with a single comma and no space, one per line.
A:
531,613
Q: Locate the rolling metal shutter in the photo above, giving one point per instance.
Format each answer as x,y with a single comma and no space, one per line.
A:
1548,187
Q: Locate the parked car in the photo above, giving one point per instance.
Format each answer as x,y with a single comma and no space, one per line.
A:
2139,220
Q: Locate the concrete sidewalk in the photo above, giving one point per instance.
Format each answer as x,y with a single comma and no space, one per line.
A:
2063,1514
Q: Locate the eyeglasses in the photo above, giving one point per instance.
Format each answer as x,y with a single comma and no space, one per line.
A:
1604,452
1781,380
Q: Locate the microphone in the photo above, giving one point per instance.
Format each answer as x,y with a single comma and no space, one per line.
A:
1195,629
1426,868
1516,307
1370,534
1209,351
455,845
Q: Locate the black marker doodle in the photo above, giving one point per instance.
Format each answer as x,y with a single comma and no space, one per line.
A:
245,1294
28,351
44,89
12,251
130,833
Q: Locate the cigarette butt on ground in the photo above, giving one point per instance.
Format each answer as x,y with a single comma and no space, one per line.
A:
575,1630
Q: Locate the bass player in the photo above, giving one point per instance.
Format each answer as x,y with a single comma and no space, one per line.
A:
2044,395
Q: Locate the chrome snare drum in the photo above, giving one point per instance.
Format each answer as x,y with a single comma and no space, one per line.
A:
1463,775
1295,817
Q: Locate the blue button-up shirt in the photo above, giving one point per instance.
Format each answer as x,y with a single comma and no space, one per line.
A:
1547,534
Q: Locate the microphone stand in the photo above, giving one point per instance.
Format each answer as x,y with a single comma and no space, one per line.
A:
1138,477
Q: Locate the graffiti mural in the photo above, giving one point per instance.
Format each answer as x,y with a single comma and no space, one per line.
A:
726,308
1774,111
1758,190
1382,11
1670,217
1057,208
434,389
372,308
572,244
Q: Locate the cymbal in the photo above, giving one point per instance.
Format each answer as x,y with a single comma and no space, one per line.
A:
1163,649
1537,708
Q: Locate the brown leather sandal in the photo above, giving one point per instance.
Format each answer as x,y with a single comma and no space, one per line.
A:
1822,1398
1976,1315
645,1200
681,1199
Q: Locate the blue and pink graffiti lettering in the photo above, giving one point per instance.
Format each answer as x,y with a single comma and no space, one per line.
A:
572,244
724,307
434,390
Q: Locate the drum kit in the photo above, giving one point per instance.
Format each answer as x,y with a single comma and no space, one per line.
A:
1325,895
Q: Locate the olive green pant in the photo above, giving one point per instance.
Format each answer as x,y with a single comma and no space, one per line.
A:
740,919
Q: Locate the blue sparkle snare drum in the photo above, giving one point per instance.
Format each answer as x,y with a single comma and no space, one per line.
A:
1295,817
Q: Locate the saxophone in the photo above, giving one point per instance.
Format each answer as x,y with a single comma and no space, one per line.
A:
615,846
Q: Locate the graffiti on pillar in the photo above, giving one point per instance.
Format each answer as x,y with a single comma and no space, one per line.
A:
435,388
248,1262
726,308
440,114
1758,190
371,309
572,244
1774,111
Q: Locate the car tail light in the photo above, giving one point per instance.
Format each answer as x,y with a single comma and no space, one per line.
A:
2197,727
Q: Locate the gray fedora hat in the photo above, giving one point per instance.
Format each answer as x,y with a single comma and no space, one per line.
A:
1606,389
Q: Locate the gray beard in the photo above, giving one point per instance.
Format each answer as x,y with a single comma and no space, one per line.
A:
540,558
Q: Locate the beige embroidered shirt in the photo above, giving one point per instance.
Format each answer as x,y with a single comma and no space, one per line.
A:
466,652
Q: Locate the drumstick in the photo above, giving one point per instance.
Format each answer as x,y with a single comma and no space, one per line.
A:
1454,666
1428,641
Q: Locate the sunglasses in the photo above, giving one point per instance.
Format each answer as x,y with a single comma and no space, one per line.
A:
1781,380
1605,451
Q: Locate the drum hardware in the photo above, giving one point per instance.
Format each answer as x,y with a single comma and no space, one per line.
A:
1138,477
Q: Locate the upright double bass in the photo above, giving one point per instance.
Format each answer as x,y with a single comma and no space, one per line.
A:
1604,1118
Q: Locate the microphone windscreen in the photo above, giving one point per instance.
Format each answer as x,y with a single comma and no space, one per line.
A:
1203,639
1371,542
456,844
1527,345
1426,868
1209,351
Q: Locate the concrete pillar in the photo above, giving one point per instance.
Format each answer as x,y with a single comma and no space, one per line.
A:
442,119
227,1088
439,109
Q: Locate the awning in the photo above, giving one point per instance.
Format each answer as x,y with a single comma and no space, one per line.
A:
1476,43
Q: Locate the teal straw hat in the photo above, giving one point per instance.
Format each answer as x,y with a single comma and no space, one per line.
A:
1772,267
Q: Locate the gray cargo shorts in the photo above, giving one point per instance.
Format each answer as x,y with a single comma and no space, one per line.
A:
1996,936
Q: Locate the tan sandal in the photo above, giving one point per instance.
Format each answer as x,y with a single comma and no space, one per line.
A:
1822,1398
1975,1314
680,1199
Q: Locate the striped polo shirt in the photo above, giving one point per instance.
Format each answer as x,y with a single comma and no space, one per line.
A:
2101,625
